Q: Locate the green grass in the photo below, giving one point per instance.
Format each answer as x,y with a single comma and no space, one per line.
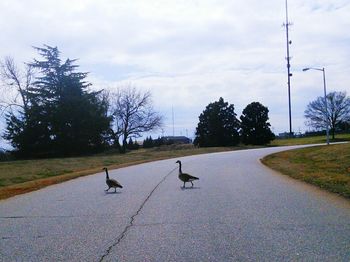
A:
327,167
308,140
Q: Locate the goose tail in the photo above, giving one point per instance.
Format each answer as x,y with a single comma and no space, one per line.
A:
193,177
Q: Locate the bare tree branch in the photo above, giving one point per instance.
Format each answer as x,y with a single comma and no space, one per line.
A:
338,105
133,113
18,82
14,88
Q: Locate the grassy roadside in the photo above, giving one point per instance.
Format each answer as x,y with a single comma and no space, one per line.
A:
308,140
18,177
327,167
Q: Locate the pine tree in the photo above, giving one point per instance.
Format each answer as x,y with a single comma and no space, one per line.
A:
148,142
254,126
63,118
218,125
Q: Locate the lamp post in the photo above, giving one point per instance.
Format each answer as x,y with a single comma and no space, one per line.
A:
325,97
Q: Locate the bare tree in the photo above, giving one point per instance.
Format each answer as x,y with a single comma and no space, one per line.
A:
15,83
116,128
338,105
14,86
133,114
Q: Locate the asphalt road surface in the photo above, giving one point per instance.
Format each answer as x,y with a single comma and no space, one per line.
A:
239,210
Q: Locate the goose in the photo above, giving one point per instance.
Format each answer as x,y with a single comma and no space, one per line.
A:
184,176
111,182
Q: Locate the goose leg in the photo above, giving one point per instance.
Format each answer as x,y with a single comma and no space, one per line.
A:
191,183
184,184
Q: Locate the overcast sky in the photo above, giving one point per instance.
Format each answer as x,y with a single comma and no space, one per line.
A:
190,53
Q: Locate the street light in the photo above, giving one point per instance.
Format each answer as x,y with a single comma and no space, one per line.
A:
325,96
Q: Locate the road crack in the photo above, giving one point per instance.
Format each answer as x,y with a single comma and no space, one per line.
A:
23,217
132,218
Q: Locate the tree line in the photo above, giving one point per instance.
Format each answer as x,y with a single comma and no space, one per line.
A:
219,126
51,110
54,112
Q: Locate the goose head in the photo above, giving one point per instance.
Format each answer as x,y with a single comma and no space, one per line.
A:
178,162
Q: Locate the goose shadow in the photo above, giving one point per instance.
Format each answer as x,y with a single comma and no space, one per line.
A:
112,193
189,188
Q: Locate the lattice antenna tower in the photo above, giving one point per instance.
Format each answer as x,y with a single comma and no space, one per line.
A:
287,24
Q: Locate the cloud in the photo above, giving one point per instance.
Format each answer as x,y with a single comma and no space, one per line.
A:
189,53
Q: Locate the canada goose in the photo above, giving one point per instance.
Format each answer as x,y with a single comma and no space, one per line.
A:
185,177
111,182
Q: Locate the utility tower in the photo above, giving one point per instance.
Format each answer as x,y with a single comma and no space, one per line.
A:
289,42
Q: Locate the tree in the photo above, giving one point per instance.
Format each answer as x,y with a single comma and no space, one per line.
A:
133,114
218,125
132,145
62,116
148,142
344,126
338,107
158,142
16,83
255,129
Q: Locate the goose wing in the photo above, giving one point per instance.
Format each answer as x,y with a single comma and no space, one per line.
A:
113,183
187,177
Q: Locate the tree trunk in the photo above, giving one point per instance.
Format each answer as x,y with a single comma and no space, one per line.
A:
333,129
123,147
117,144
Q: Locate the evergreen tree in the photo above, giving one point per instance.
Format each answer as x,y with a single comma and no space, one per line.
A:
255,129
158,142
130,145
148,142
63,118
218,125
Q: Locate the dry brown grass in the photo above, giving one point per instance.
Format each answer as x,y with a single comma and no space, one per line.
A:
17,177
327,167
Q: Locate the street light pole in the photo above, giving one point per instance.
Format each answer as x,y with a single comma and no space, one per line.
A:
325,98
325,103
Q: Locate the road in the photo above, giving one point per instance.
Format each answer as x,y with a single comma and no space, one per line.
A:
239,210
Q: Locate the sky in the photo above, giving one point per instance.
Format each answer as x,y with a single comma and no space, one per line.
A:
190,53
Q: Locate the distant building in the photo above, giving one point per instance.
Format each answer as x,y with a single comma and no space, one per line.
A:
285,135
177,139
